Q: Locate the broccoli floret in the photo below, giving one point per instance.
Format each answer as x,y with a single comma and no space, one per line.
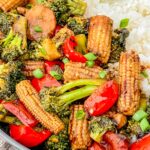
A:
60,141
45,49
57,100
15,44
133,128
6,21
78,25
10,75
118,44
68,8
99,126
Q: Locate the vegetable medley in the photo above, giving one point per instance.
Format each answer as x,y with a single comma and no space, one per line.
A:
57,84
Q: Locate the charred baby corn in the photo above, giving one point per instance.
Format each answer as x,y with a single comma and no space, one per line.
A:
77,70
31,100
7,5
78,128
30,66
99,38
129,70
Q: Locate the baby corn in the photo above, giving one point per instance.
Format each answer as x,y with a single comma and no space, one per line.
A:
30,66
129,70
78,128
29,97
99,38
7,5
76,70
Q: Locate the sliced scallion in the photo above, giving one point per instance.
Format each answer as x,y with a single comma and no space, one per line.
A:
139,115
38,73
90,56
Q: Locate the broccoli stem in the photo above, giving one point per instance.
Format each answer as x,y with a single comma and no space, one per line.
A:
80,82
74,95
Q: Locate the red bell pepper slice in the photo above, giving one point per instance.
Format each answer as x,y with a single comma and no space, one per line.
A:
102,99
19,110
46,81
69,50
58,27
96,146
116,141
50,64
142,144
28,136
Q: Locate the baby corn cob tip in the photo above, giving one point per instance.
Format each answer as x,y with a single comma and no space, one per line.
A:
30,98
129,71
99,38
7,5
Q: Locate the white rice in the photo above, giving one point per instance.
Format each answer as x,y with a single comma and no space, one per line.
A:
138,12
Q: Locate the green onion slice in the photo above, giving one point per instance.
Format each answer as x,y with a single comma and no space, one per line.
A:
124,23
90,56
80,115
144,124
90,64
65,60
139,115
102,74
37,29
38,73
56,75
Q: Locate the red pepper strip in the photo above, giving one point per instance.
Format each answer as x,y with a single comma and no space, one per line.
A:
1,101
46,81
50,64
28,136
70,52
102,99
116,141
58,27
19,110
142,144
96,146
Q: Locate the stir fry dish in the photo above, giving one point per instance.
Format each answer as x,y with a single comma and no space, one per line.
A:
67,82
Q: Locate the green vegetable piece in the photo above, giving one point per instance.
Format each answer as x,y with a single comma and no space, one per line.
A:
43,51
38,73
37,29
143,104
144,124
65,60
144,74
102,74
90,64
139,115
29,6
124,23
82,41
90,56
56,75
80,115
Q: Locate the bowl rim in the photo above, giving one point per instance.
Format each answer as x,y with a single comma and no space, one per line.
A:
11,141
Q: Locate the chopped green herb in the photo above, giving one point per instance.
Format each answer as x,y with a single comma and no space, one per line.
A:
37,29
144,74
43,51
65,60
80,115
90,64
144,124
102,74
38,73
56,75
90,56
139,115
124,23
